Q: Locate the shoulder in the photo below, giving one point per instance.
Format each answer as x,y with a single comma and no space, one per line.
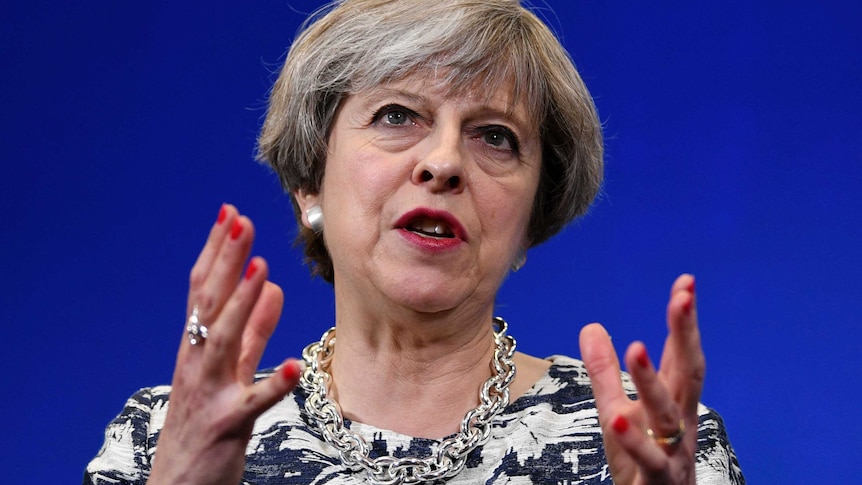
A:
144,412
130,439
554,431
570,373
550,434
715,456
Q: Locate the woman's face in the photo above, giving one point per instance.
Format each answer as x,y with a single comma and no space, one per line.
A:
426,197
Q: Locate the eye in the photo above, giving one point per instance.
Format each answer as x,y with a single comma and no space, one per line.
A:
394,115
500,138
396,118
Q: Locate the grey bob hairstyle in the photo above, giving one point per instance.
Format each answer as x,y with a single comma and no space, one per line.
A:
354,45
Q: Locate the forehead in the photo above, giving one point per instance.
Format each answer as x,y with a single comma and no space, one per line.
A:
432,87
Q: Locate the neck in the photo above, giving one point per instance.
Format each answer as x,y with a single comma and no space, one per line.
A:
415,373
418,379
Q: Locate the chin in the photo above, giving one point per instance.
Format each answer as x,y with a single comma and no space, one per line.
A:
430,295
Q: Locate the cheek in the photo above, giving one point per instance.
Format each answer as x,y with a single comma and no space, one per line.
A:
360,183
510,207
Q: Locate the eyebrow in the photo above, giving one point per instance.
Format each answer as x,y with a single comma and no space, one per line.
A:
522,124
384,91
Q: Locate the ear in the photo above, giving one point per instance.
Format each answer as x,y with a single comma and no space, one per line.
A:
306,200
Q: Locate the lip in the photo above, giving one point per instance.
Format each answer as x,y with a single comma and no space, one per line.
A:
434,244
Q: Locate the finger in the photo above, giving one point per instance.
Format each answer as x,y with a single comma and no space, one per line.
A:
219,283
215,239
262,322
225,270
201,271
629,438
603,367
225,340
264,394
683,365
662,412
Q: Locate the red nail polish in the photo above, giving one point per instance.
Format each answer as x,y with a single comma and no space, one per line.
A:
236,230
222,214
686,307
251,270
290,371
620,424
691,286
643,358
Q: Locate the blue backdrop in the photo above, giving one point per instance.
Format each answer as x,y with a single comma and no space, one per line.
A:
733,152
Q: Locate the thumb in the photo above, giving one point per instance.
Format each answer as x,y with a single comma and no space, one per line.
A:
264,394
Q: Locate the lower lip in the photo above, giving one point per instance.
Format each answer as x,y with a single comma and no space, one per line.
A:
431,244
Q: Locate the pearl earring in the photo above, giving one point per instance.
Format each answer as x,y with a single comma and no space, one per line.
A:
315,218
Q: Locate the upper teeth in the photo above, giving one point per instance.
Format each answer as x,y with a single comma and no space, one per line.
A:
431,227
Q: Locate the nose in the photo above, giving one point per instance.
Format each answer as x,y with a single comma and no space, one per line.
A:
441,168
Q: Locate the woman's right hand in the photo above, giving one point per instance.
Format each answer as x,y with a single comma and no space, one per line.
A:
214,401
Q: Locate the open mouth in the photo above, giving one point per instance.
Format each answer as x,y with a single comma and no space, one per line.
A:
432,225
429,227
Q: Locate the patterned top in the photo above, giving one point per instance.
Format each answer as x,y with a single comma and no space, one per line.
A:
550,435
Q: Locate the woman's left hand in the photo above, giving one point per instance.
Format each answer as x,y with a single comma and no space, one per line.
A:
651,440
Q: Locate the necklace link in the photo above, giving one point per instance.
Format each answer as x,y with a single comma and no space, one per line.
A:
451,454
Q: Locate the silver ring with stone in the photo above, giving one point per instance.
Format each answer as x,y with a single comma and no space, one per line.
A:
195,330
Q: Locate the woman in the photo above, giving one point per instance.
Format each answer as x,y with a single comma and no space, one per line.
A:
426,146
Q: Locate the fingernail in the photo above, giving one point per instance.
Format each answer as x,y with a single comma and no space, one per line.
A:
620,424
236,230
222,214
687,306
290,371
251,270
691,285
643,358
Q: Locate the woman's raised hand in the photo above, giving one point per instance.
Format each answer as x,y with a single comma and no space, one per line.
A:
214,401
651,440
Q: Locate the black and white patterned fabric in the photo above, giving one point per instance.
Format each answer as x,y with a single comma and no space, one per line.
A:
549,435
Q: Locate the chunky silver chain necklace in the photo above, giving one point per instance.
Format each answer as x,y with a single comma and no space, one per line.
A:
451,453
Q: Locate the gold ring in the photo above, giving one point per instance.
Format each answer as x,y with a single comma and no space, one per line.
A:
669,440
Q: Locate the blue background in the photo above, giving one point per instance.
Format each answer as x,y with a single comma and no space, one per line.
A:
733,151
